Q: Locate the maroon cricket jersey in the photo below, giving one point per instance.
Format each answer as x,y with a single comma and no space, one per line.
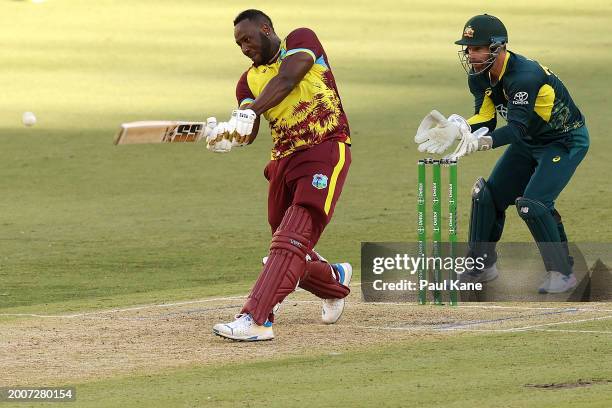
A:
312,112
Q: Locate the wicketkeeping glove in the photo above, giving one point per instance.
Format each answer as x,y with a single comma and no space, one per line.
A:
472,142
440,137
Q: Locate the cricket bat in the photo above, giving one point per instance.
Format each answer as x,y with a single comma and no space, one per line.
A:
160,131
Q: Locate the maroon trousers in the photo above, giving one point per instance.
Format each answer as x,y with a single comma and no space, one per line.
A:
311,178
304,188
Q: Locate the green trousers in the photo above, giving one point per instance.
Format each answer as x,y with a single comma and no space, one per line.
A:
536,172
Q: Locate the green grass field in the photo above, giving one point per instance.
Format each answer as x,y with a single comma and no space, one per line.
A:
85,225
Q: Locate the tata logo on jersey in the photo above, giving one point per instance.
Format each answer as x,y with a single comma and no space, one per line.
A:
520,98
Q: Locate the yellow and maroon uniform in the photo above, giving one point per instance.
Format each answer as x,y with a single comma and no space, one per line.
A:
312,112
309,163
310,132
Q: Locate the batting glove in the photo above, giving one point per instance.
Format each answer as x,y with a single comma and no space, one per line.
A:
244,120
219,138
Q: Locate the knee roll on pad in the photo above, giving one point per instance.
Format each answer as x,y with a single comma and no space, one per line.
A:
539,219
285,265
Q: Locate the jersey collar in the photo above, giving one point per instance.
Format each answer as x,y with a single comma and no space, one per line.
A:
503,71
275,57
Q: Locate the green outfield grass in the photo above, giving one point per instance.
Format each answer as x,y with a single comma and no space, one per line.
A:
85,224
82,219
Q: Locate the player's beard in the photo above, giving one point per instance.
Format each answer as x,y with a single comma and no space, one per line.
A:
267,50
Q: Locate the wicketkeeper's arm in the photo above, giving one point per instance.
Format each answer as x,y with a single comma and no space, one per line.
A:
484,108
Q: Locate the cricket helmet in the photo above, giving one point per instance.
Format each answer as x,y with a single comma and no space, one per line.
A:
482,30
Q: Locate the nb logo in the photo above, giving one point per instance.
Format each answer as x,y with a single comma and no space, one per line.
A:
524,210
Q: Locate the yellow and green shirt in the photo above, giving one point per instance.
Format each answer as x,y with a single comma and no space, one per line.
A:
533,100
312,112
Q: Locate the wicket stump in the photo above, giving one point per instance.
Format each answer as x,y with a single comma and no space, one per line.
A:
436,235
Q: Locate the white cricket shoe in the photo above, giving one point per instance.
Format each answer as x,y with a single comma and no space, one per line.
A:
479,275
556,282
333,308
244,328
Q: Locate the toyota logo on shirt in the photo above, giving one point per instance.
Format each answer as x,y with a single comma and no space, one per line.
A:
520,98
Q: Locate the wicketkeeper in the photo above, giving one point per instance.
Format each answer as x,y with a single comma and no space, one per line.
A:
546,137
291,84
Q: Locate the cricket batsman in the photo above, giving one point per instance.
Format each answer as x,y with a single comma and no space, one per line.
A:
291,84
546,138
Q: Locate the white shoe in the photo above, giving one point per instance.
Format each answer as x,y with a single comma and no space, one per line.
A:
333,308
479,275
556,282
244,328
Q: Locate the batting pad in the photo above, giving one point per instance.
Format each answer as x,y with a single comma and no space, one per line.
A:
285,266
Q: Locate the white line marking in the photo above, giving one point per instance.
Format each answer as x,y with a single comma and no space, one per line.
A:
556,323
574,331
508,330
578,309
128,309
559,308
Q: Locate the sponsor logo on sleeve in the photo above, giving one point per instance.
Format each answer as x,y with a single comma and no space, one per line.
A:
520,98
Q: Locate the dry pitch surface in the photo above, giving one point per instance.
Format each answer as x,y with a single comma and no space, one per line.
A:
55,349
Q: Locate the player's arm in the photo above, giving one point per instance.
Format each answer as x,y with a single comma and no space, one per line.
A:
522,94
303,49
255,131
484,118
484,108
245,99
292,70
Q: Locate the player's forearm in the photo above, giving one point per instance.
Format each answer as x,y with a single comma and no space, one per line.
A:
255,131
510,133
490,124
275,91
